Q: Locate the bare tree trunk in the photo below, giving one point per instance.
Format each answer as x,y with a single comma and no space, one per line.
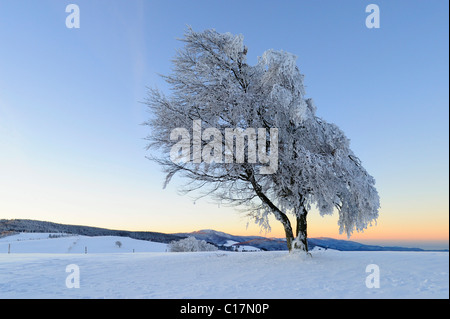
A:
289,236
301,231
300,241
279,215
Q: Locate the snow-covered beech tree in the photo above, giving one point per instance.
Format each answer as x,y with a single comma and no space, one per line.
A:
247,136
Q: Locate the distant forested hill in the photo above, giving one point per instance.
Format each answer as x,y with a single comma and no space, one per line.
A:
36,226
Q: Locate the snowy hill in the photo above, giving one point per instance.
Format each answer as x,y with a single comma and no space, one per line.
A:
61,243
270,244
32,226
235,246
224,240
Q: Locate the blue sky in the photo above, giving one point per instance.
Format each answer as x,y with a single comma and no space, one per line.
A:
71,143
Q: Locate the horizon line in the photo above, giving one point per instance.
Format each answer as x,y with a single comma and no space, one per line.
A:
386,240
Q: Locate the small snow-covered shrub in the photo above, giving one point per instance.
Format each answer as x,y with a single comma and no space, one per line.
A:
190,244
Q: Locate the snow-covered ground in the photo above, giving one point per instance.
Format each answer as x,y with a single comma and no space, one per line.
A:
108,271
244,248
42,243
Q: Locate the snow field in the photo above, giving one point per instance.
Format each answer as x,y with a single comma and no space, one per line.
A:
42,243
327,274
245,248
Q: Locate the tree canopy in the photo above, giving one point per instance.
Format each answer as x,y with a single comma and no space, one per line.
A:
291,159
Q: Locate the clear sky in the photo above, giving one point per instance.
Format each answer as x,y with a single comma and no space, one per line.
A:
71,143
